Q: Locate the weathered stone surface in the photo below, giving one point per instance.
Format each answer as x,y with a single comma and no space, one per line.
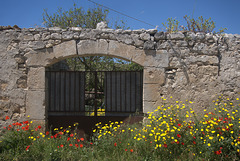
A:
158,59
145,36
65,49
101,25
176,36
151,92
203,59
36,78
159,36
56,36
149,45
35,45
35,104
86,47
121,50
40,58
186,66
154,76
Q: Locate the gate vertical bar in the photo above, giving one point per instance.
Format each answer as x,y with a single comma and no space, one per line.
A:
95,108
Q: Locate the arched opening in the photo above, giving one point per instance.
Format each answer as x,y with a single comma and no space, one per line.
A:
93,89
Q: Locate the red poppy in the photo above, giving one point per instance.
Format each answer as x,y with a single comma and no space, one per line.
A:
221,148
115,144
68,138
125,149
81,145
25,122
47,133
179,124
177,142
194,137
27,147
165,145
6,118
131,150
55,136
52,137
218,152
91,143
194,142
70,145
178,135
61,146
82,139
78,140
182,143
76,145
71,135
39,127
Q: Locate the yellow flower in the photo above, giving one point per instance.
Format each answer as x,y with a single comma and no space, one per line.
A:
209,144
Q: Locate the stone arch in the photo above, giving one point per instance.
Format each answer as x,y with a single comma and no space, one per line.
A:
35,104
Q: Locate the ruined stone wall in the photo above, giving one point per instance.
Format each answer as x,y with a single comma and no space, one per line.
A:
193,66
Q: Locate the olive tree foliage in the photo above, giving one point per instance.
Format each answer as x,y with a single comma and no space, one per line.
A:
78,17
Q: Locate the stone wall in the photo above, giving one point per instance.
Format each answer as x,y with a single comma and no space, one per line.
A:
185,65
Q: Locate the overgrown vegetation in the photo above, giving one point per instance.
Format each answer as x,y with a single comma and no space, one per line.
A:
195,25
171,132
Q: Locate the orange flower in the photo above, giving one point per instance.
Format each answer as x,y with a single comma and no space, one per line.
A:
82,139
6,118
131,150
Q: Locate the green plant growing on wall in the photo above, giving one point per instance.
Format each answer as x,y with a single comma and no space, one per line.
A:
171,25
195,25
201,25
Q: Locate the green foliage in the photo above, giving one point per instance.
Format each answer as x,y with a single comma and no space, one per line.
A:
172,25
172,132
75,17
78,17
195,25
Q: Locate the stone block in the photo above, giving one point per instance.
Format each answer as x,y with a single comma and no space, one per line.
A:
35,104
159,36
149,106
36,45
154,75
121,50
65,49
158,59
91,47
39,58
176,36
36,78
151,92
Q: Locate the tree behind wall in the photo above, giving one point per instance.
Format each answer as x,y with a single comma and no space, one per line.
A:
78,17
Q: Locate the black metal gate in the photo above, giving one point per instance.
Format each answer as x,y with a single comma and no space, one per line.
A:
94,93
